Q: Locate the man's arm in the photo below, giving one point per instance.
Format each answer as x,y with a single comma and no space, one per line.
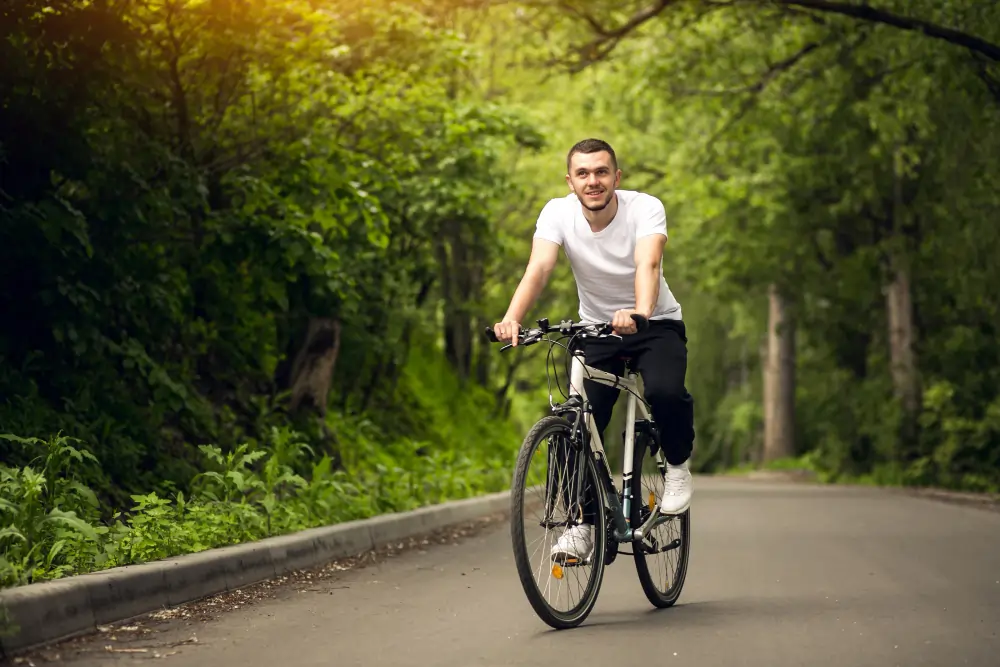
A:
648,255
544,255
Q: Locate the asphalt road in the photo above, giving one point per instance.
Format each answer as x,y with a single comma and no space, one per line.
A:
781,574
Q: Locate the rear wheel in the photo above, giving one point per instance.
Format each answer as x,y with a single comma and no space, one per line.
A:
550,478
661,559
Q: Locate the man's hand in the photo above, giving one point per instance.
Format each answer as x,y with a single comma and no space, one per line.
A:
507,331
623,324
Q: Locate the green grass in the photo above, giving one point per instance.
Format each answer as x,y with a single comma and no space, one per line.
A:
884,475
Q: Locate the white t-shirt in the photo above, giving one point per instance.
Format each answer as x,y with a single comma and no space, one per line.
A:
604,263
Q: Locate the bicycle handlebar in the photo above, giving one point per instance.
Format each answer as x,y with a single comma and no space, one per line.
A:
530,336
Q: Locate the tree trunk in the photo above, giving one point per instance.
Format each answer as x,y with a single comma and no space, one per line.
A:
313,367
374,378
902,357
899,315
451,259
484,365
779,380
461,260
503,398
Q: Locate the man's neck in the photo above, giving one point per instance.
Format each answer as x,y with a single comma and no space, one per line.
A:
599,220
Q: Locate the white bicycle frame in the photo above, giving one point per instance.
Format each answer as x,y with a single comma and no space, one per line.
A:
579,372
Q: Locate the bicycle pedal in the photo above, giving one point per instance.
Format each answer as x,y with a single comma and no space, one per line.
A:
565,560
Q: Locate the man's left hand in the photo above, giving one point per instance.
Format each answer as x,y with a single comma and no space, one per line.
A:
623,324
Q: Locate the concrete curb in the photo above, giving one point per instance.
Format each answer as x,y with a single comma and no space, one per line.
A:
978,499
781,476
39,614
987,501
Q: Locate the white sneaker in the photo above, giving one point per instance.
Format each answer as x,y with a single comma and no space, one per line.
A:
676,489
575,543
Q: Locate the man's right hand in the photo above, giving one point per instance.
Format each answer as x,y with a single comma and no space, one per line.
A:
507,331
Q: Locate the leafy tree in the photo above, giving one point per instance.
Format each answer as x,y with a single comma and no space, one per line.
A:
250,198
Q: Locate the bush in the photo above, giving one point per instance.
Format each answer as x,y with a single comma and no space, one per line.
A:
53,527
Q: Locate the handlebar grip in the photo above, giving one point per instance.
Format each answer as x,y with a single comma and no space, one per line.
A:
491,335
641,323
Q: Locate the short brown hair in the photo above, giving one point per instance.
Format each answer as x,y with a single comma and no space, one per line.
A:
588,146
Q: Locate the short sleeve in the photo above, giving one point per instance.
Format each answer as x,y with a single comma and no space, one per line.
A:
651,217
550,222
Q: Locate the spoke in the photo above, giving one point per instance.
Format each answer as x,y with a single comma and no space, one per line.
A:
565,593
662,566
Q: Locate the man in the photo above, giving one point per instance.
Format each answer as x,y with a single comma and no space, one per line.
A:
614,240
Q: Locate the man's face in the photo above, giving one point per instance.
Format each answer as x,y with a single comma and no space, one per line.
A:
593,179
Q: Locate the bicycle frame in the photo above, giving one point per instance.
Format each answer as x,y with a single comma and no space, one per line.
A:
620,510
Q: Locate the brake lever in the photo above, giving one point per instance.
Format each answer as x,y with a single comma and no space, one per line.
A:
607,331
530,339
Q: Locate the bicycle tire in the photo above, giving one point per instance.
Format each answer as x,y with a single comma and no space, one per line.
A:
639,512
544,428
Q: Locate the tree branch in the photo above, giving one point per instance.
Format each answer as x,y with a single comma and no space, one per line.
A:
985,75
583,16
608,39
759,87
648,169
820,255
185,140
869,13
769,75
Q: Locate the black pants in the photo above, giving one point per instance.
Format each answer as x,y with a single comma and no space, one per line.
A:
660,356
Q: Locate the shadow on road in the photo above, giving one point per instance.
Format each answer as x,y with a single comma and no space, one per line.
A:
708,613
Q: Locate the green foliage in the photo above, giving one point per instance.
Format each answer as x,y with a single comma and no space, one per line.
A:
226,172
253,491
188,186
819,153
47,513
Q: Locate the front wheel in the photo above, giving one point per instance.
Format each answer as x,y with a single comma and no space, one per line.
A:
555,489
661,559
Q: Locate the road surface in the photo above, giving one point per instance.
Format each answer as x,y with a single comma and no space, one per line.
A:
781,574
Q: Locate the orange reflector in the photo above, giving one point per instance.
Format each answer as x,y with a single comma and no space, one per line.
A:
557,571
652,501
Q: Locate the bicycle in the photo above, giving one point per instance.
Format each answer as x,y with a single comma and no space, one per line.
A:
612,513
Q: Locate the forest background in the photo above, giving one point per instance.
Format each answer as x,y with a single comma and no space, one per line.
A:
250,248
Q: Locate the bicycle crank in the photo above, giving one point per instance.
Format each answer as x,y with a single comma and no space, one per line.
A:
654,547
655,520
